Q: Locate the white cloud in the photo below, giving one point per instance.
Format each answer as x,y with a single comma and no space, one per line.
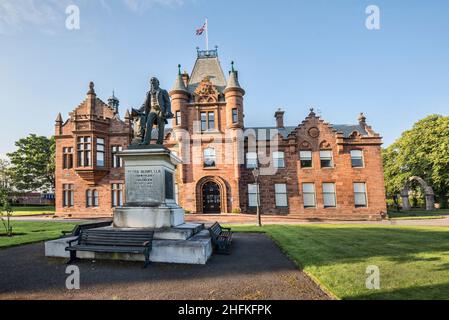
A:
140,5
49,15
15,15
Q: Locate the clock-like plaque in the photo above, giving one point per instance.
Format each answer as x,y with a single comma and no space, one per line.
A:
314,132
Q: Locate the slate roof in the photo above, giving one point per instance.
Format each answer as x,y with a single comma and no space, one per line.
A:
346,129
207,67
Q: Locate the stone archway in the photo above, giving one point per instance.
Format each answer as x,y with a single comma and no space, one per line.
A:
428,191
207,183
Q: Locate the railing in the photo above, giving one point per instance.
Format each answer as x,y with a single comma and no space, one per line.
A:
207,53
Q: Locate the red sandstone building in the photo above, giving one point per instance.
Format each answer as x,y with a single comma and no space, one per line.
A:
313,170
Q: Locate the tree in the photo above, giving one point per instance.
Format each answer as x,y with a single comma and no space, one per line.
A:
5,211
33,163
422,151
4,174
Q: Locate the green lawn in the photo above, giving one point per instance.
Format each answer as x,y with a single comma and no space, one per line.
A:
413,261
418,214
30,211
29,232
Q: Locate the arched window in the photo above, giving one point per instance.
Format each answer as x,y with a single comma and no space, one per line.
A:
209,158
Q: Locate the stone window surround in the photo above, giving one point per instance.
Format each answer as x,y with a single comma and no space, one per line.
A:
362,158
178,119
284,193
235,115
334,193
117,194
365,193
68,194
207,120
247,163
92,198
311,159
213,155
327,158
116,161
309,193
67,158
278,158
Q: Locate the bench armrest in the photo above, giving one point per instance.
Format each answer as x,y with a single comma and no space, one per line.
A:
73,240
227,229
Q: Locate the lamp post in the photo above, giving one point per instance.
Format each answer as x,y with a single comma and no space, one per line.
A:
256,174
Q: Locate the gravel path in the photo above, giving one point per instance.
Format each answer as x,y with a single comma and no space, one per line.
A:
255,270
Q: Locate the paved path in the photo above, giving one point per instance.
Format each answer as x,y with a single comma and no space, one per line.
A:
256,270
241,219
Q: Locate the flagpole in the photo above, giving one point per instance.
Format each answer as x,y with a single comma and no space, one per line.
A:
207,35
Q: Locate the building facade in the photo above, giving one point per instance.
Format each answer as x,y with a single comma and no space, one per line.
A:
313,170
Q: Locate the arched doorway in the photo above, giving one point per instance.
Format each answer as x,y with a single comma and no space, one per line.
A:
211,197
428,193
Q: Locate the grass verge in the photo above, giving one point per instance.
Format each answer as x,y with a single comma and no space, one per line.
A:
30,232
413,261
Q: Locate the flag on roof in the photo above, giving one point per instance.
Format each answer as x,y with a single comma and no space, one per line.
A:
201,30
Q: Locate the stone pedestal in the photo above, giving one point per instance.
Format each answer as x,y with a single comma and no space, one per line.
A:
150,190
150,204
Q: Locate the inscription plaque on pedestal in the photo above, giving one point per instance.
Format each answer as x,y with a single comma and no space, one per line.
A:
144,186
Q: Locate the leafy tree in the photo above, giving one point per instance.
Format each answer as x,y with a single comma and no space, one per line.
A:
33,163
4,175
422,151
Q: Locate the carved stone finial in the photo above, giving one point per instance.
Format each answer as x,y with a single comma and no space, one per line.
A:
91,88
362,118
312,112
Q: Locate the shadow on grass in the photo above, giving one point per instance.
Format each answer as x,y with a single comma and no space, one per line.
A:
429,292
326,245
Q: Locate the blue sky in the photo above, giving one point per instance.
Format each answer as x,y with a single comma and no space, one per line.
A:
290,54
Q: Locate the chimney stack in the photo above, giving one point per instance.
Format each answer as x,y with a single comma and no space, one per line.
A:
279,115
362,119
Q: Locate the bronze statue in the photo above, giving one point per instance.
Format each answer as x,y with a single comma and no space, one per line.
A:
156,110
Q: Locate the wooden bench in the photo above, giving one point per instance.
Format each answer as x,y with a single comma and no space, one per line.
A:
84,226
221,238
113,241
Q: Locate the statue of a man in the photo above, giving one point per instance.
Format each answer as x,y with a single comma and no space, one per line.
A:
156,110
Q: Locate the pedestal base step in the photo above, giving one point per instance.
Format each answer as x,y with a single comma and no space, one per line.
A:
196,249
